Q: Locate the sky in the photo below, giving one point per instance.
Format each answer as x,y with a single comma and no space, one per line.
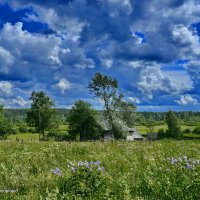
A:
151,47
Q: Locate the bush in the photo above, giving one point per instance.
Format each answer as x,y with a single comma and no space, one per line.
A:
5,127
32,130
119,128
196,130
187,130
13,130
3,137
58,136
23,129
161,133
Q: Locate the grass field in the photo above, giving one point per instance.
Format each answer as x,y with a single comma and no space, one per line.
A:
32,136
124,170
143,129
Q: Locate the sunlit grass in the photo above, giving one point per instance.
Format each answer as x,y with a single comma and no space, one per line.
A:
144,130
133,170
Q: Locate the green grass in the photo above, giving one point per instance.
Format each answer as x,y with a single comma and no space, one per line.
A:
63,128
143,129
24,136
133,170
33,136
191,135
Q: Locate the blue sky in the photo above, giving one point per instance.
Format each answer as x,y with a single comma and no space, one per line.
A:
152,47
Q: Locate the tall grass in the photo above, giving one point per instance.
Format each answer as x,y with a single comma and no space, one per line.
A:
132,170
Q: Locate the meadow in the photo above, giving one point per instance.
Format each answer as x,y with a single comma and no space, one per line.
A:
167,169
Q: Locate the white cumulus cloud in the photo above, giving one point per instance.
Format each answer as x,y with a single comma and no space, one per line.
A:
134,100
187,100
5,88
6,60
64,85
153,81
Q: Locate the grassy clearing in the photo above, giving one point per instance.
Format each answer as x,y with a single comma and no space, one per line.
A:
24,136
143,129
133,170
33,136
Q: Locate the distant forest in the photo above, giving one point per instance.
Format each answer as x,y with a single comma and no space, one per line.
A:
19,115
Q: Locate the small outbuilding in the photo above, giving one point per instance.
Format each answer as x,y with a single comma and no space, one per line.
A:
133,135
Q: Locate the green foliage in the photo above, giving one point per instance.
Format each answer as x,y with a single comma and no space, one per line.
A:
1,111
187,130
117,111
126,111
161,133
196,130
41,114
82,121
31,130
23,128
6,127
119,128
104,88
150,126
59,136
174,127
83,180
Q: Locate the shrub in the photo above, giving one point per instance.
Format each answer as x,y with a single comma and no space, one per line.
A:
196,130
23,129
119,128
32,130
161,133
13,130
3,137
60,136
187,130
5,127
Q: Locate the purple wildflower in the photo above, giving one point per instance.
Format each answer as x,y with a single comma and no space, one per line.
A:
86,165
73,169
101,168
97,162
173,161
80,163
188,166
56,171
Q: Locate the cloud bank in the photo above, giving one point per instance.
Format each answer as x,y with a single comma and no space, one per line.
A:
151,47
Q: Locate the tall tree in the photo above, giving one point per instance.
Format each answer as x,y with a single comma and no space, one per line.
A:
117,111
82,121
42,111
104,88
173,123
